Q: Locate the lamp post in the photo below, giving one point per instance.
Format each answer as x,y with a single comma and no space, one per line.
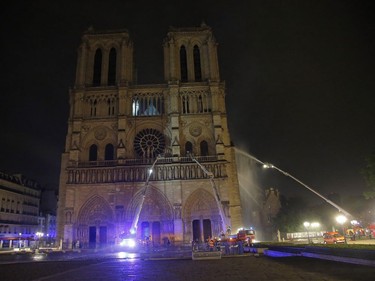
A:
307,225
268,165
341,219
39,235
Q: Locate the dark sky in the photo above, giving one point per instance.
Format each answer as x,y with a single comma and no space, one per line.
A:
299,77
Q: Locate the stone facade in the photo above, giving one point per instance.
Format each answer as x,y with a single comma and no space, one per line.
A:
118,130
271,207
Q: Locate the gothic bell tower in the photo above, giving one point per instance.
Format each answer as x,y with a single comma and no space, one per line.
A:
118,130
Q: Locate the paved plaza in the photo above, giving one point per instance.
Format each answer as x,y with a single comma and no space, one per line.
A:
123,266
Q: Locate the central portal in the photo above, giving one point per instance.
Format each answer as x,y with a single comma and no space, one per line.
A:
151,231
97,236
202,227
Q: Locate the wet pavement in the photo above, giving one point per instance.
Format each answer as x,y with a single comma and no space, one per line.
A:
132,266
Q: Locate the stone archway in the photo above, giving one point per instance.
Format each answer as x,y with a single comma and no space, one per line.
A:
156,216
95,223
201,216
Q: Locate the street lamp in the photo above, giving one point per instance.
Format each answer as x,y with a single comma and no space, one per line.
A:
309,225
341,219
38,235
268,165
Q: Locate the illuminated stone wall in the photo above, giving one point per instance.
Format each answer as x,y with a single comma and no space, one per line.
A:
116,131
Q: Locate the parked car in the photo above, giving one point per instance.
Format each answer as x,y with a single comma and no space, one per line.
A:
333,238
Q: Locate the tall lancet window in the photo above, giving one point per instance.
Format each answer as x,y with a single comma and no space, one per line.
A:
97,68
204,148
188,148
112,67
93,153
109,152
93,108
111,107
197,64
183,64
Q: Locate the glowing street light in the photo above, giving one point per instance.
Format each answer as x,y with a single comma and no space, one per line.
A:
39,235
341,219
309,225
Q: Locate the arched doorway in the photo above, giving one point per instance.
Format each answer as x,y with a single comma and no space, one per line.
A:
201,216
95,227
156,216
202,229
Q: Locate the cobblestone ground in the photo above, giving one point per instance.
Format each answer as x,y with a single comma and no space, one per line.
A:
234,268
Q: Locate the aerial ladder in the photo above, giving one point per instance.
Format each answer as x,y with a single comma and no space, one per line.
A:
133,227
210,175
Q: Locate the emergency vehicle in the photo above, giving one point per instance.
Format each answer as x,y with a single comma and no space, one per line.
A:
247,236
333,237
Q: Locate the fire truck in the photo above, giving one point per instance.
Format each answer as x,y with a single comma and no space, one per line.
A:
247,236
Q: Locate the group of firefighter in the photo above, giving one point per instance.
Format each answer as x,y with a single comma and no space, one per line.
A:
225,245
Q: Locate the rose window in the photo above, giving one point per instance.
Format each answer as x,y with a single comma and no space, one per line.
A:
149,143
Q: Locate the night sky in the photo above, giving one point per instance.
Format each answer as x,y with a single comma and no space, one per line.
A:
299,78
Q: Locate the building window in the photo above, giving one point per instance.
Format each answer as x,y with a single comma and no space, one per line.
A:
109,152
93,153
185,104
200,104
197,64
112,67
193,102
188,148
204,148
183,64
111,107
148,104
93,108
97,68
149,143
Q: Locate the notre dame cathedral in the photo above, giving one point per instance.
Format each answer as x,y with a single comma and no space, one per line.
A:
118,130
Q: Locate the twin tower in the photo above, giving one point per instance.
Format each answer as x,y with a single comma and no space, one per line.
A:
119,130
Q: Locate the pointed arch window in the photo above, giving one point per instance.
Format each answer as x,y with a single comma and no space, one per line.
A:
112,67
188,148
109,152
197,64
93,108
183,64
204,148
200,104
97,68
147,105
185,104
111,107
93,153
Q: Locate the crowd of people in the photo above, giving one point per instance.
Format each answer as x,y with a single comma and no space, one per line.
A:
225,245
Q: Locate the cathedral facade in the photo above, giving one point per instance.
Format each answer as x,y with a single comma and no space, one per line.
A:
155,156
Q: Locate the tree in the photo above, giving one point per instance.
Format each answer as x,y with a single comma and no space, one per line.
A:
369,173
294,211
